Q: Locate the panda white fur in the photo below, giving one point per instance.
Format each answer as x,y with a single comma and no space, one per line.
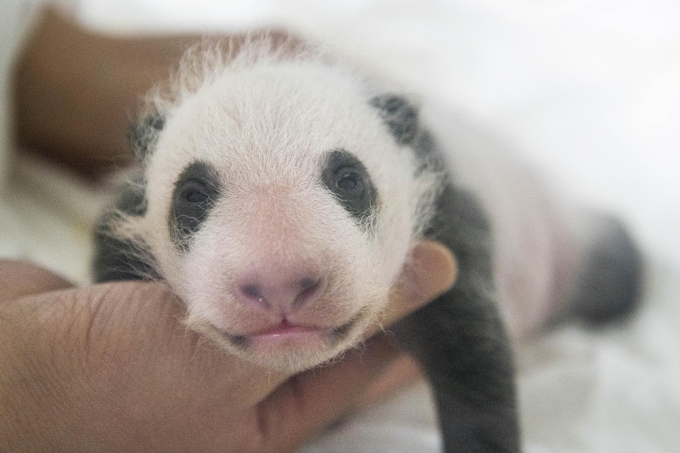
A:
281,193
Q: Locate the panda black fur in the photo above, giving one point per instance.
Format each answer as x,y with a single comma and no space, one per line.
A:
282,188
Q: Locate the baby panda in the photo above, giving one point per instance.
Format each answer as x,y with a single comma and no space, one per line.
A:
281,193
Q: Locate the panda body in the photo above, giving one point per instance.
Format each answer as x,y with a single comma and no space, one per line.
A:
280,196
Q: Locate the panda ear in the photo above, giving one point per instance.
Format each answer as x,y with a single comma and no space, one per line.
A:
399,115
144,134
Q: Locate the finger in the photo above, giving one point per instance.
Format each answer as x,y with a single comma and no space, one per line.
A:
403,372
431,271
309,402
141,324
21,278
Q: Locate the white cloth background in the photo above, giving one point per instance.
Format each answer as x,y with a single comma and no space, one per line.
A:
589,92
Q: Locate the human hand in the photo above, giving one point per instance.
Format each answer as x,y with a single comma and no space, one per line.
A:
112,368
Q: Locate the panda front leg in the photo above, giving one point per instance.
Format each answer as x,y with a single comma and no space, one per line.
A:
460,339
465,353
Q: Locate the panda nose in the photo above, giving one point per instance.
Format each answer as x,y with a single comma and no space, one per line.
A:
284,292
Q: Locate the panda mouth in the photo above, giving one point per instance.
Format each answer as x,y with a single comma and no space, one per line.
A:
289,333
285,327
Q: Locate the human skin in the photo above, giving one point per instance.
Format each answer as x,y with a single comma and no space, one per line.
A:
112,368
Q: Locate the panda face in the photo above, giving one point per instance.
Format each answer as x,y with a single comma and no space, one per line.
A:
289,210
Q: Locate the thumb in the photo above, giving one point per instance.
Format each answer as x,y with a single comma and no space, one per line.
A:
431,270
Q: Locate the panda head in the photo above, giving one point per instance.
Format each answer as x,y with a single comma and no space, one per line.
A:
283,201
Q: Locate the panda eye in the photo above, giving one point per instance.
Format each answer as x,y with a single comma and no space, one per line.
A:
195,197
349,180
194,191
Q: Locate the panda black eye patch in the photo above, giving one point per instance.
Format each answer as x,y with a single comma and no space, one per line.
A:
348,180
196,191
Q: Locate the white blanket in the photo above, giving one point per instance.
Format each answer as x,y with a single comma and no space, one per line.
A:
588,91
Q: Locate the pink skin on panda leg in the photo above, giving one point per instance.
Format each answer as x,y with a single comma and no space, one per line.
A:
552,256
